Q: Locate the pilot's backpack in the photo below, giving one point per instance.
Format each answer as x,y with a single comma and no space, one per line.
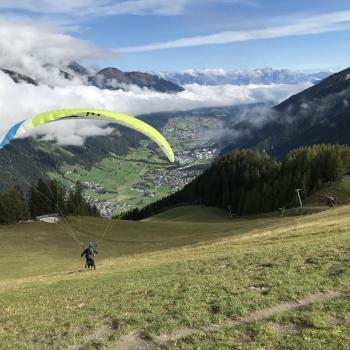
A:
90,253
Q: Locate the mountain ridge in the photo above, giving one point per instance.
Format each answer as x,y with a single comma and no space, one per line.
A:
107,78
319,114
265,76
19,77
113,78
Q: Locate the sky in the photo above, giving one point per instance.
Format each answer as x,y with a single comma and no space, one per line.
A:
173,35
40,37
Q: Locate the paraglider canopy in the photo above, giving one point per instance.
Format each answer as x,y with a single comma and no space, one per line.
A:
88,113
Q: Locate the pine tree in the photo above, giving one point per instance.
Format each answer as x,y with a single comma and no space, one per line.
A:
253,182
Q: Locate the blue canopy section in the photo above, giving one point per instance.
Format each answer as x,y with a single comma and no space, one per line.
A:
10,135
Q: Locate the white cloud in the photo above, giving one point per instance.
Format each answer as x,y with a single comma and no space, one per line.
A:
96,8
336,21
40,51
22,101
30,49
50,7
72,132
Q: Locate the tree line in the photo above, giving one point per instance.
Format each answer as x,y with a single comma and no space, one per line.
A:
251,182
46,197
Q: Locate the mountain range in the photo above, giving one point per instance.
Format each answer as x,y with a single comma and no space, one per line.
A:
108,78
266,76
171,82
319,114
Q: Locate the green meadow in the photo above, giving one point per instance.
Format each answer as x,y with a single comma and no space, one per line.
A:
191,271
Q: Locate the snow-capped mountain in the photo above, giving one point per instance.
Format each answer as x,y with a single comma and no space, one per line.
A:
264,76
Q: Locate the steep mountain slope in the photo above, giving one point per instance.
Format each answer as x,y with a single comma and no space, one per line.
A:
124,170
77,68
18,77
24,161
251,182
319,114
331,86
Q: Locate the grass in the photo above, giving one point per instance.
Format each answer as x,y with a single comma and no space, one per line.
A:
345,183
193,214
189,267
117,175
324,325
340,191
36,248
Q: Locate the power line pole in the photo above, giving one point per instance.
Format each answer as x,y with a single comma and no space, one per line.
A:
229,208
297,191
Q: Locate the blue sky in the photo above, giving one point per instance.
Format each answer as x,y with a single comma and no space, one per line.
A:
183,34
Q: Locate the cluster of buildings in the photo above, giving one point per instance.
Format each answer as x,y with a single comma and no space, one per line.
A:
180,134
193,151
191,156
105,208
93,186
175,178
144,188
198,132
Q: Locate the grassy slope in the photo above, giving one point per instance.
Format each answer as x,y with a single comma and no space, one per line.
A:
159,275
118,175
340,191
192,214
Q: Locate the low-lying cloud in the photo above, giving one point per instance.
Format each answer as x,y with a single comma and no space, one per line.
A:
23,101
43,59
40,51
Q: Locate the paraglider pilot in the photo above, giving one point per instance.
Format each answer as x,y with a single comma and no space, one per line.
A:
89,253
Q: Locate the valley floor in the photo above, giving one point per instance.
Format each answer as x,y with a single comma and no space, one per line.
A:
188,279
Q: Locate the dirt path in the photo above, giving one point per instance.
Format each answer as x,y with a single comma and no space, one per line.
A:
101,333
134,340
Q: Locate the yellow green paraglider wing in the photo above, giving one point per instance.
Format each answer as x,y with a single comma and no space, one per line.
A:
116,117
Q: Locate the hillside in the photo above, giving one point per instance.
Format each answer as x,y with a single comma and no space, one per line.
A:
113,79
23,161
316,115
124,170
252,182
174,285
107,78
18,77
340,191
198,137
192,213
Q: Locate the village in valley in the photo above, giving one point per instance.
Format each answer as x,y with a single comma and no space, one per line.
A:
194,150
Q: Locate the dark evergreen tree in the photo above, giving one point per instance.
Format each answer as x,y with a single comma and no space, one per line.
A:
13,207
251,182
